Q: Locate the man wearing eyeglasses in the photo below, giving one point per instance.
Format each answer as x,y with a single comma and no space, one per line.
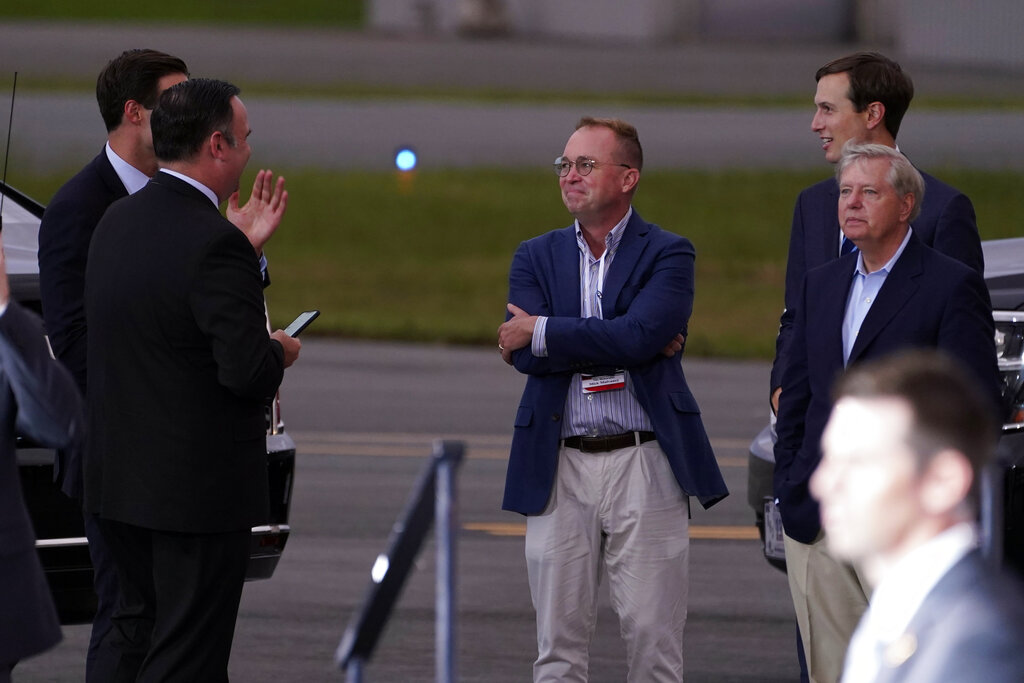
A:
609,443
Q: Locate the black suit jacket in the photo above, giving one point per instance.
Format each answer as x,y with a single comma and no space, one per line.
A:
970,627
928,301
38,400
64,236
181,366
946,223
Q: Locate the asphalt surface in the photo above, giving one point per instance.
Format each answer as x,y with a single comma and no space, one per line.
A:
364,416
64,130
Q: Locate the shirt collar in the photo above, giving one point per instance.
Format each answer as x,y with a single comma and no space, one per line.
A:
903,590
611,240
194,183
887,268
132,178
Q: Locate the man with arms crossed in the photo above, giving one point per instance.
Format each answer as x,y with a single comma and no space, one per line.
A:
126,90
892,293
181,368
608,442
903,455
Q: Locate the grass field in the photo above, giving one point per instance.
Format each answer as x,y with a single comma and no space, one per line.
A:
426,257
327,13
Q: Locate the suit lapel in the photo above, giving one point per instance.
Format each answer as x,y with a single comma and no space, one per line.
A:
829,237
835,291
900,286
109,176
566,259
631,246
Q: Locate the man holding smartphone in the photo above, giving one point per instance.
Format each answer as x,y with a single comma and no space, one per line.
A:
181,368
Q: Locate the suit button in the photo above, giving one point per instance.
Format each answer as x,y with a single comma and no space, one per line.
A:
555,417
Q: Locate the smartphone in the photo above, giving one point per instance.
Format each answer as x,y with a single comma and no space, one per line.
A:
300,323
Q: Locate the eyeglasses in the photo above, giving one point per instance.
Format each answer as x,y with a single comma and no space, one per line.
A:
583,165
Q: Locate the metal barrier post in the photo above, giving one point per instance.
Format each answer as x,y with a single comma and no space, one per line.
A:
448,454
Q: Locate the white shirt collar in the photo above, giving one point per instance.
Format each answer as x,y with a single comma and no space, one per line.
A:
132,178
194,183
904,588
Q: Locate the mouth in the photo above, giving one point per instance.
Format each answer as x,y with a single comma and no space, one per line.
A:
825,142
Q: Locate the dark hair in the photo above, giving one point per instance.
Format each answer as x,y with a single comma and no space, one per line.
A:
133,75
949,408
629,140
190,112
874,78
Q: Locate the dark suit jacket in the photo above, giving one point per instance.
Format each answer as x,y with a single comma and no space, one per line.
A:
946,223
648,296
38,400
181,366
969,628
928,301
64,235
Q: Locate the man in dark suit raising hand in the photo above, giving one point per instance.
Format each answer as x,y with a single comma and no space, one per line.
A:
180,369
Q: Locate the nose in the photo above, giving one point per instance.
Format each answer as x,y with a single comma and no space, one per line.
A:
816,124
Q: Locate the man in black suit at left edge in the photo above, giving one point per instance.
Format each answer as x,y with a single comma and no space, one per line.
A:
127,90
181,368
38,400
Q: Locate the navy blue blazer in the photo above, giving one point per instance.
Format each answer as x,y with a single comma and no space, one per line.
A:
38,400
64,235
647,300
928,301
970,627
946,223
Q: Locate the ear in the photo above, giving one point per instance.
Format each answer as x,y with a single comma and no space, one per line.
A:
217,144
630,179
946,482
906,206
133,113
875,115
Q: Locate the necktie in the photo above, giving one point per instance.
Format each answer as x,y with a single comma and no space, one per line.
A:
847,247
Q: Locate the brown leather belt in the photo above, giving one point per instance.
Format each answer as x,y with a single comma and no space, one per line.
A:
602,444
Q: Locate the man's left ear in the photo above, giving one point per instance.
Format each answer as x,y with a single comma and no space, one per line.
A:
630,179
876,115
908,206
946,482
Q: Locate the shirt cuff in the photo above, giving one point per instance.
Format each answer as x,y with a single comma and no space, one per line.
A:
539,344
263,264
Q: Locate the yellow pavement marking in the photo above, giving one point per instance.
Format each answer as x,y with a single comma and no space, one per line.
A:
716,533
413,445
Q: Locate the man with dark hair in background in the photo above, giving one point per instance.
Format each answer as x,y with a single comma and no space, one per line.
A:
127,90
903,455
862,97
891,294
181,369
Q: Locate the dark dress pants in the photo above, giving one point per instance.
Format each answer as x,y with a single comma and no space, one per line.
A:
105,585
179,601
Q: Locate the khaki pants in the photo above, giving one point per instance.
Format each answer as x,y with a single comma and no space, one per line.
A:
829,597
620,512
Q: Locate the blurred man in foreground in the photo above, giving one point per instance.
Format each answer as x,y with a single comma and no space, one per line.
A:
38,400
904,451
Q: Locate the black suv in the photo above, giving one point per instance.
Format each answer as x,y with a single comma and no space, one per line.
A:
1004,275
61,541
